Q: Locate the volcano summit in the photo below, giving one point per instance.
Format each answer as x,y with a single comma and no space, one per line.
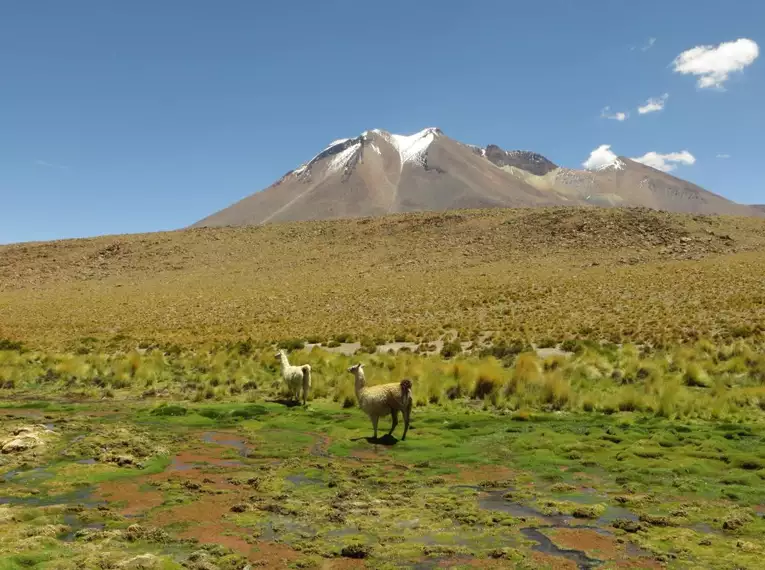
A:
378,173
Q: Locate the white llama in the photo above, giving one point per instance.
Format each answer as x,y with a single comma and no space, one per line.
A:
295,377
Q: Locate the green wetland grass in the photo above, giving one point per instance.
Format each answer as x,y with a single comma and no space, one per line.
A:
585,455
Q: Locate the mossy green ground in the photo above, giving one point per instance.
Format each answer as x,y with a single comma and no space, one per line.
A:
226,485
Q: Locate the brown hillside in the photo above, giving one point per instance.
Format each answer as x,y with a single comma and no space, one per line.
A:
623,273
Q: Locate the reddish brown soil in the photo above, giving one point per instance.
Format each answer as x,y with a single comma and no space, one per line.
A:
137,501
590,542
475,563
198,476
207,509
191,460
343,564
552,562
598,546
272,556
217,532
263,554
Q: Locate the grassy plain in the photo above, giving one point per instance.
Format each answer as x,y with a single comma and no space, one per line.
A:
229,484
530,274
589,388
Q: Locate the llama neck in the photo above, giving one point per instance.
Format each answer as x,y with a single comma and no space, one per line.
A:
360,382
285,362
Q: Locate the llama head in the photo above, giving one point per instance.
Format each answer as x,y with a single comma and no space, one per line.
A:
280,354
356,367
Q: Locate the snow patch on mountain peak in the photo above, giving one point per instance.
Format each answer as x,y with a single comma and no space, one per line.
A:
337,142
616,164
340,160
412,148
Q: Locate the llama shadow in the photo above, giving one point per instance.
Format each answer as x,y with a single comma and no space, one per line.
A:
285,402
387,440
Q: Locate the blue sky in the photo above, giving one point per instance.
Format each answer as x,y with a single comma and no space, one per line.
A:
148,115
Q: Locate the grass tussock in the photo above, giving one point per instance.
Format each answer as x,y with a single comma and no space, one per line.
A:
703,380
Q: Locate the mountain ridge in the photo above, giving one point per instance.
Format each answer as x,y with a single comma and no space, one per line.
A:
379,173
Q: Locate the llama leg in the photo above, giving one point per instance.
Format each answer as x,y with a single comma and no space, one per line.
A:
306,384
375,419
393,420
407,413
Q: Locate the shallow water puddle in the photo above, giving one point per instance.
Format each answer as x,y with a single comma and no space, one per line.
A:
226,439
76,525
82,496
35,475
496,501
300,480
190,461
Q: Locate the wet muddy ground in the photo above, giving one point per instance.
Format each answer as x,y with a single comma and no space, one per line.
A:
245,486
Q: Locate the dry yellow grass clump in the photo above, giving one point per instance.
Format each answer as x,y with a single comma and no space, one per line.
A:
534,274
699,380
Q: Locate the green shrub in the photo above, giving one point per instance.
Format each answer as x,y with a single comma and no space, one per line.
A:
169,410
696,376
7,344
292,344
451,349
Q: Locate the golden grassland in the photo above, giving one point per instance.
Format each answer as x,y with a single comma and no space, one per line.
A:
530,274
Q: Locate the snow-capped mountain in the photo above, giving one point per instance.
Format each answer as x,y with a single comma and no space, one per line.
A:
378,172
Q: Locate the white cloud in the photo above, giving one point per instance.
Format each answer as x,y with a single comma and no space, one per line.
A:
648,45
600,157
654,104
606,114
47,164
723,156
666,162
603,156
713,64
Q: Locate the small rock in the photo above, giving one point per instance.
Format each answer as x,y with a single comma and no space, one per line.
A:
19,444
736,521
747,546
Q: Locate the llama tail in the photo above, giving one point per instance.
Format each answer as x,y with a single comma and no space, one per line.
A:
406,390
